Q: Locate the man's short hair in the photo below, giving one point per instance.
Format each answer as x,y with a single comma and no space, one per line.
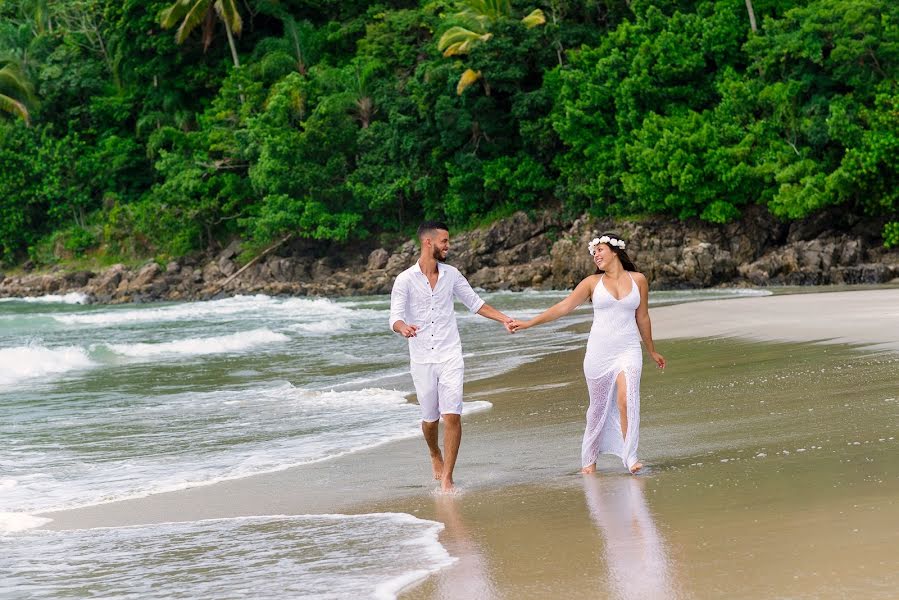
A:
428,226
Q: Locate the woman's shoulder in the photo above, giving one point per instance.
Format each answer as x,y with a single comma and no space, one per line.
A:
638,277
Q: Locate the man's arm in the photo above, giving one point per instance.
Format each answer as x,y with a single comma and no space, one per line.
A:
399,295
463,291
491,313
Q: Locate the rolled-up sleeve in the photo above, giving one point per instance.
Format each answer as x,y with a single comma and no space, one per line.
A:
466,295
399,295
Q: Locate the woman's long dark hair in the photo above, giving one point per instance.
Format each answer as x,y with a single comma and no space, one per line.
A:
626,261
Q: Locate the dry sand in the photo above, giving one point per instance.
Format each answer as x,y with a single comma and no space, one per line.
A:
866,318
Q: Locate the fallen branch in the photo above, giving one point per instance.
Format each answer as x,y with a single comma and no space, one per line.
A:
251,263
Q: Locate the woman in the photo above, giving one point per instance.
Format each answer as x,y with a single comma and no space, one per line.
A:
614,360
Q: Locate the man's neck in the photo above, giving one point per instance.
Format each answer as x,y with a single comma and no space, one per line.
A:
428,264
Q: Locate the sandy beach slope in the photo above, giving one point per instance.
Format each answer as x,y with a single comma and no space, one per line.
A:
867,318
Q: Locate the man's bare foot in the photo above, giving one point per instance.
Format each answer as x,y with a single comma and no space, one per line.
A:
589,470
446,485
437,464
636,467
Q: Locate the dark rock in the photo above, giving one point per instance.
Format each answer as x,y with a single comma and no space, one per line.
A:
230,251
402,259
211,272
810,228
226,266
78,278
378,259
145,276
321,270
106,282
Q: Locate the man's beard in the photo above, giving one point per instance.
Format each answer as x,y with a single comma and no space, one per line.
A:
438,255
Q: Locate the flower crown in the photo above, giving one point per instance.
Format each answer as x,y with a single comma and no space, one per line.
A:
591,247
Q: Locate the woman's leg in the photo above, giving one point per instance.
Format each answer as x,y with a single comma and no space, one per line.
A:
622,398
621,385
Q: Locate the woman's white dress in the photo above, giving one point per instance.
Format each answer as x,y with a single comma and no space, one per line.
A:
612,348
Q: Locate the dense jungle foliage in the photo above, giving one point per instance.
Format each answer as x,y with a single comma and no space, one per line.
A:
156,127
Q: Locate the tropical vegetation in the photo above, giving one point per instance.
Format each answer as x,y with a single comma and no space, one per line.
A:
156,128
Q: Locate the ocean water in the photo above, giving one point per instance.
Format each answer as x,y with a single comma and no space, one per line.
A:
102,403
262,557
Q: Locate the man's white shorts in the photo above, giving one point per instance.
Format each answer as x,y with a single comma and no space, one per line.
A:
439,387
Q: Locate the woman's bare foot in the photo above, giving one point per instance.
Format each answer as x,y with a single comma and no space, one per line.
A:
636,467
589,470
437,464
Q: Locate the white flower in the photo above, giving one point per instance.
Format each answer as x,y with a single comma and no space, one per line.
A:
591,246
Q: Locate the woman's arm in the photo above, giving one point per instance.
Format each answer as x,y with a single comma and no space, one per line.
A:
643,322
581,293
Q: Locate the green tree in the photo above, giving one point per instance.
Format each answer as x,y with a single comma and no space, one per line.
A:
193,13
16,92
475,20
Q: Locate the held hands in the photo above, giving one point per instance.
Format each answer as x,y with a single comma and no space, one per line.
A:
515,325
658,358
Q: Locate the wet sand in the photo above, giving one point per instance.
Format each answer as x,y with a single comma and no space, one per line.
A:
772,468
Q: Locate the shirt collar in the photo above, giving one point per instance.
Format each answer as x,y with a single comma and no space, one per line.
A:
418,268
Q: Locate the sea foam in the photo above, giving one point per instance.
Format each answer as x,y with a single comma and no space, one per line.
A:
70,298
259,305
12,522
234,342
28,362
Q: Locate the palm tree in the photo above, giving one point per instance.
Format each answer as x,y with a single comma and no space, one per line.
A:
16,92
476,18
191,13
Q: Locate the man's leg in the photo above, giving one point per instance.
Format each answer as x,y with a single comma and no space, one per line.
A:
424,376
429,429
452,438
449,389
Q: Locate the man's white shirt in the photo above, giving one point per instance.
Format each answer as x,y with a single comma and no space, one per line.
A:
414,302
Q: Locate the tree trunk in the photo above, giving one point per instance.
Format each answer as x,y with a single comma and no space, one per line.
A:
234,56
751,15
234,48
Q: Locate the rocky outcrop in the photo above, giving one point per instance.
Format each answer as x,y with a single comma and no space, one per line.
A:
543,251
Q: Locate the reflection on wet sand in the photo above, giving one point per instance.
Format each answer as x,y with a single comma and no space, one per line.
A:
635,553
471,576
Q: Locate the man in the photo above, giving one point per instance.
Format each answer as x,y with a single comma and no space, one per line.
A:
421,309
